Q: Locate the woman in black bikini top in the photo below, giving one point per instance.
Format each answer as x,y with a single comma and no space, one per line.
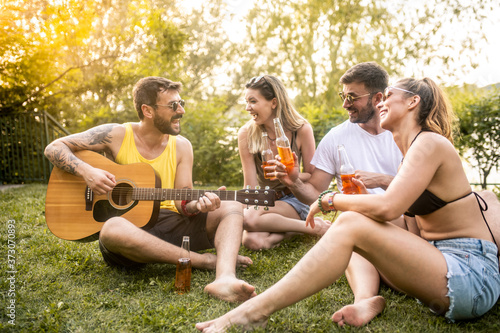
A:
428,203
452,267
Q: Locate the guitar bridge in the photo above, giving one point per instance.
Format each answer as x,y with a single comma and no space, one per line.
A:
89,199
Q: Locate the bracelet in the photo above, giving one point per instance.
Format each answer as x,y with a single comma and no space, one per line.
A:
321,198
330,201
184,209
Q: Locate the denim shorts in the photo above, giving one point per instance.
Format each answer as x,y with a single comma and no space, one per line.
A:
301,208
473,276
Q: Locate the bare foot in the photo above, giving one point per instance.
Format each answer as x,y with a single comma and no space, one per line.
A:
230,289
246,317
360,313
243,261
321,226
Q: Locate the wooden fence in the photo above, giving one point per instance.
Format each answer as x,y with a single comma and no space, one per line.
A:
23,139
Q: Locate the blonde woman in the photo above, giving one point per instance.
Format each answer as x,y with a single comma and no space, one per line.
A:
452,268
266,99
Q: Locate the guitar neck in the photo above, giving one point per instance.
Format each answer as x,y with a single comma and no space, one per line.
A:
162,194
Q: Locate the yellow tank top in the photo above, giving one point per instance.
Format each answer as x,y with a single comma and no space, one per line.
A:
165,164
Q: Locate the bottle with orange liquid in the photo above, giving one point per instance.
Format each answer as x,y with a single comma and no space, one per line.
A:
183,269
283,145
267,155
347,173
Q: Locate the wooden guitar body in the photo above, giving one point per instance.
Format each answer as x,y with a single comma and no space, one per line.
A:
67,210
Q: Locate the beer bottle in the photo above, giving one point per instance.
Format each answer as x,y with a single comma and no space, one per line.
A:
347,173
267,155
183,269
283,145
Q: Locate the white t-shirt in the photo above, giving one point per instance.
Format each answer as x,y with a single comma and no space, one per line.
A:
367,152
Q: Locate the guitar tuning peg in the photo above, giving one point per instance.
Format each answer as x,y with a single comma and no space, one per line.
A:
266,208
256,207
267,187
257,187
248,187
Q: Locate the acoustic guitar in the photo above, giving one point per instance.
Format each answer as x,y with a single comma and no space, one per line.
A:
74,212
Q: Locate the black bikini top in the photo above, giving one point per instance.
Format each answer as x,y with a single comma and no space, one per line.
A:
428,203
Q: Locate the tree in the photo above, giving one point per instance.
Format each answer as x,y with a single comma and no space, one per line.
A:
479,140
309,44
79,61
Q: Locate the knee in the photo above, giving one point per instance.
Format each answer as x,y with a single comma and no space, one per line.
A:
347,218
113,229
488,195
251,242
350,222
250,219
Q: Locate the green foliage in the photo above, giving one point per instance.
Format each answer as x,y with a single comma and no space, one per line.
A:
479,140
212,130
310,44
64,286
79,60
322,118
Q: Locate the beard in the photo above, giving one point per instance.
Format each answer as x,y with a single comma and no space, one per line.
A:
364,115
165,126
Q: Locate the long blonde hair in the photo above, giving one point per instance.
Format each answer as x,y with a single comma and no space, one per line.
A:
271,87
435,113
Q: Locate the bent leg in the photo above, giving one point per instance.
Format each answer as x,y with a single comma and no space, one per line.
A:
364,281
266,229
226,224
122,237
408,261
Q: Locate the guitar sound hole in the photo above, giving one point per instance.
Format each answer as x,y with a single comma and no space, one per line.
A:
122,194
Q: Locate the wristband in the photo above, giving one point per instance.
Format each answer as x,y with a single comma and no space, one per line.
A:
330,201
321,198
184,209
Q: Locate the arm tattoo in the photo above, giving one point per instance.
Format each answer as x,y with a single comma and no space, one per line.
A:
64,158
95,136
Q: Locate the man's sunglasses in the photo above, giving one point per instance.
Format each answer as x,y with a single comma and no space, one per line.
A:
174,105
350,99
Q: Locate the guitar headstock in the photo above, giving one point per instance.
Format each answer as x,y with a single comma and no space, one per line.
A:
256,197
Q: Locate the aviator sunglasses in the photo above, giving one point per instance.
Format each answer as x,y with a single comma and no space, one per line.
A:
350,99
174,105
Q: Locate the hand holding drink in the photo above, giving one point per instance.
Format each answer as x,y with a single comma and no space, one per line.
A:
347,173
267,155
283,145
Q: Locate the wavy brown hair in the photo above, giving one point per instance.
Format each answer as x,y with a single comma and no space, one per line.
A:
435,113
271,87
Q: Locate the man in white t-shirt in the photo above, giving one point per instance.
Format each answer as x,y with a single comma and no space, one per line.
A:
367,151
375,157
371,149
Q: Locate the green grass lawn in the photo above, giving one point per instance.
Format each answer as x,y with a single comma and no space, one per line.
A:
64,286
